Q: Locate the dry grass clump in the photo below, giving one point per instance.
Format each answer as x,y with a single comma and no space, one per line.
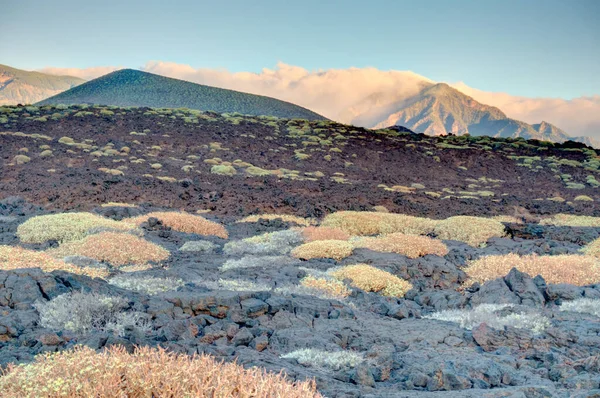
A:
118,204
324,233
569,220
375,223
508,219
572,269
335,249
471,230
592,248
147,372
371,279
118,249
184,222
284,217
14,257
65,227
329,287
411,246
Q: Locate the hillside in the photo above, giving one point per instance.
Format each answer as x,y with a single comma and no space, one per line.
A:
440,109
128,87
22,87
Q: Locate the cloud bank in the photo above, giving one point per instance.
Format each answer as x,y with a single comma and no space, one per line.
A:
347,94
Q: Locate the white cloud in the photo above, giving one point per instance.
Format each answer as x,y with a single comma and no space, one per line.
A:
85,73
361,95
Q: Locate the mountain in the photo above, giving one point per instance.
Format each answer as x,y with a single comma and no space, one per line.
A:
128,87
22,87
440,109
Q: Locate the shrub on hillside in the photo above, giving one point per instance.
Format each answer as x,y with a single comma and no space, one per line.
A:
335,249
235,285
14,257
221,169
375,223
329,287
282,217
324,233
494,316
272,243
184,222
371,279
411,246
117,249
65,227
145,284
202,246
582,305
82,313
592,248
147,372
334,360
252,261
570,220
572,269
471,230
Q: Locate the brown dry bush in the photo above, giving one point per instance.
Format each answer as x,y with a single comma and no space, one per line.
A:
592,248
118,249
411,246
375,223
147,372
330,287
335,249
184,222
324,233
14,257
371,279
471,230
567,268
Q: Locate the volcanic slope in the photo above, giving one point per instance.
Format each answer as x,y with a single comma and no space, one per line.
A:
128,87
76,157
23,87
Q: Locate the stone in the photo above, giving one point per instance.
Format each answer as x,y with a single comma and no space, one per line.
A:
242,337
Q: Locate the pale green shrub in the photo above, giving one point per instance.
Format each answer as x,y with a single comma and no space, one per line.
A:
334,360
145,284
582,305
258,262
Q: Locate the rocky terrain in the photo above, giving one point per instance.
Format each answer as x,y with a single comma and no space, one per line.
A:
95,250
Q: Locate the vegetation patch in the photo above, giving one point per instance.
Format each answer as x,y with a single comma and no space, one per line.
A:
335,249
145,284
117,249
334,360
371,279
570,220
272,243
184,222
376,223
583,306
147,372
66,227
313,233
283,217
411,246
471,230
326,286
573,269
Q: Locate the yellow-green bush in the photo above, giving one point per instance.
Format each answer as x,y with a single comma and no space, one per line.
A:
471,230
411,246
371,279
282,217
223,170
335,249
65,227
375,223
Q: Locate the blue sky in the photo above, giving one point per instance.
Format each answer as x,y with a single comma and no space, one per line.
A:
543,48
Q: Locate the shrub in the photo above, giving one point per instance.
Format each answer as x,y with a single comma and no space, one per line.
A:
65,227
411,246
146,284
258,262
118,204
156,166
335,360
592,248
573,269
371,279
507,219
335,249
582,305
21,159
118,249
583,198
569,220
279,242
82,313
66,140
14,257
46,153
328,287
223,170
324,233
203,246
375,223
235,285
471,230
282,217
147,372
184,222
495,316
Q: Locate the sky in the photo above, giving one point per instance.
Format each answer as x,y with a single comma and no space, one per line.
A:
527,48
